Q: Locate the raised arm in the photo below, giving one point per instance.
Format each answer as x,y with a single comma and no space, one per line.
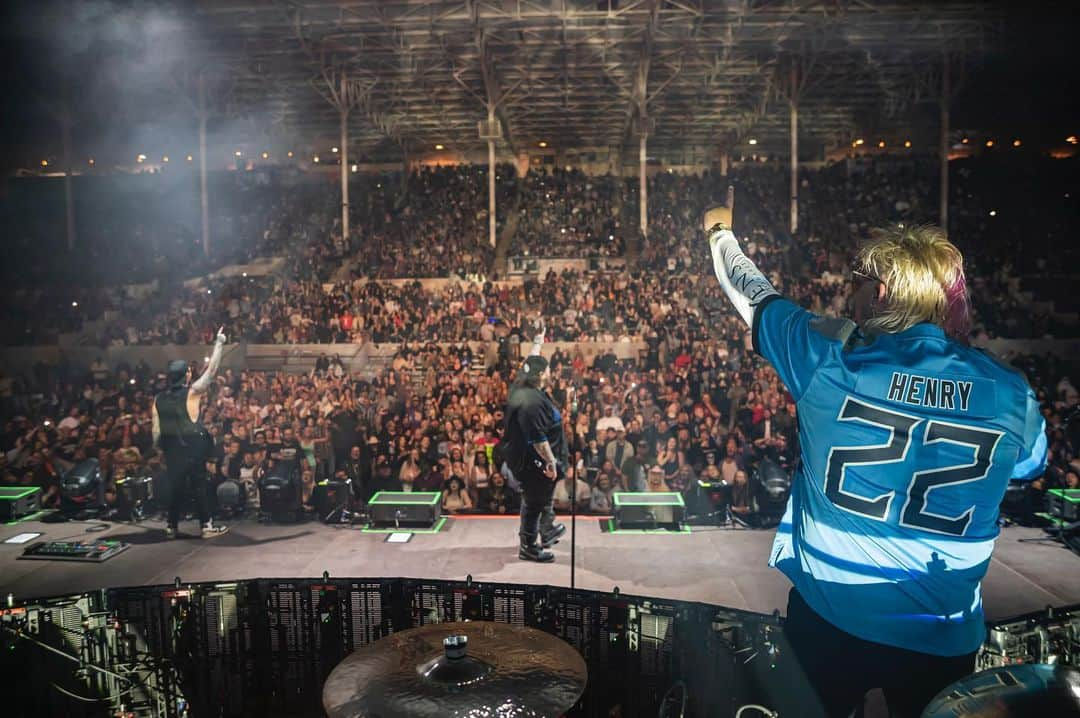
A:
538,338
743,283
202,384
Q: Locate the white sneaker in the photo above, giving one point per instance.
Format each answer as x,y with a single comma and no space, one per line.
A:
212,531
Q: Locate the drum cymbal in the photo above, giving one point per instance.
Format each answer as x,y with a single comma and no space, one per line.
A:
468,670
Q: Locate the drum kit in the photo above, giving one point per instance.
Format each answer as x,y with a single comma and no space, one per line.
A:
476,668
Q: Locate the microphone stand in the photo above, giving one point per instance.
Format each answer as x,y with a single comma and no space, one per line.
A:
573,485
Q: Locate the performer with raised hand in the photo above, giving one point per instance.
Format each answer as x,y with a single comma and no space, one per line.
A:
909,438
181,436
536,452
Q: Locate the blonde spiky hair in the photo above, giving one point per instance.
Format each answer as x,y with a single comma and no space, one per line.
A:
923,274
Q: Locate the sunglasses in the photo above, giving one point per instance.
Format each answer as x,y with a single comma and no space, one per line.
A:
862,277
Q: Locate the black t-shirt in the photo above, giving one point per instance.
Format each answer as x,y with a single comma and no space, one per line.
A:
532,417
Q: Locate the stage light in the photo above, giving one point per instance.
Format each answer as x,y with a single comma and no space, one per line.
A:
266,155
189,158
315,159
907,143
81,486
541,143
334,150
1071,139
140,158
238,153
752,141
439,147
770,487
881,144
964,141
989,143
44,163
859,141
1016,143
164,158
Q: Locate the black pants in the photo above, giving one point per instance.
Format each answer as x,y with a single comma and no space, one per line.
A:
842,667
186,474
537,513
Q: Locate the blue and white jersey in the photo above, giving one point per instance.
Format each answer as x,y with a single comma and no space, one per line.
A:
908,443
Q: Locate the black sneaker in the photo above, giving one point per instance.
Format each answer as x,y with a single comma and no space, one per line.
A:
535,553
550,539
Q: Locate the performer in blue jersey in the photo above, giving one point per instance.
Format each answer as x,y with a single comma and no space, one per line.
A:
908,438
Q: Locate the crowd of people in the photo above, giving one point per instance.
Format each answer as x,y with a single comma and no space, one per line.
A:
685,413
690,408
434,224
694,404
567,213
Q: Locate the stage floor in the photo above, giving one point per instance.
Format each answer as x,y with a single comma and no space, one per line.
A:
714,565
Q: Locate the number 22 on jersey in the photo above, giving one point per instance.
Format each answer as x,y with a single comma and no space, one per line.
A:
903,430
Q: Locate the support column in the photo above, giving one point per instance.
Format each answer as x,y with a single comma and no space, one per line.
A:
794,167
69,204
203,200
343,114
643,199
794,105
492,238
943,211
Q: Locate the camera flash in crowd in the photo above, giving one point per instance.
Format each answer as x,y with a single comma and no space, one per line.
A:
74,304
132,382
993,213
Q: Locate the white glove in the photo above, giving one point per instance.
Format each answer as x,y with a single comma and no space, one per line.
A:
220,338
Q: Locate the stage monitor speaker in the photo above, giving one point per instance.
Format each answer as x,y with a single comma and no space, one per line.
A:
648,510
409,509
1063,504
18,501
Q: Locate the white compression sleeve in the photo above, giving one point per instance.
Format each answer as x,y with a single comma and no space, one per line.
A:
740,278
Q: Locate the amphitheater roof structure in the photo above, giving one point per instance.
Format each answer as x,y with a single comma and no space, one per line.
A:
695,75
